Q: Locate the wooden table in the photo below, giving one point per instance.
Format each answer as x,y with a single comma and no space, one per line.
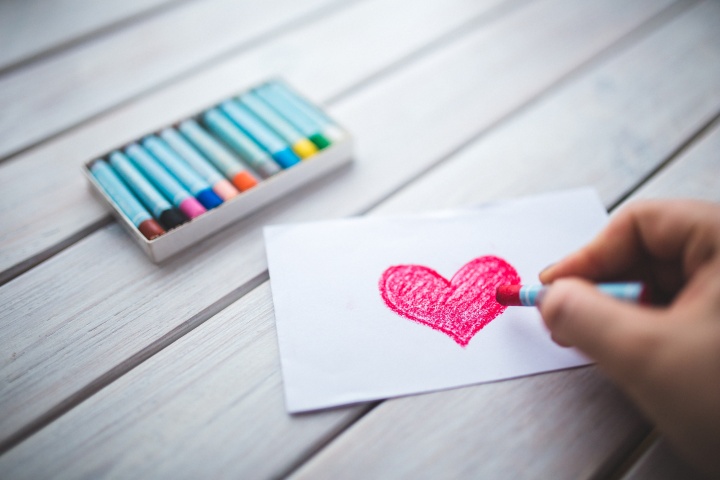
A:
115,367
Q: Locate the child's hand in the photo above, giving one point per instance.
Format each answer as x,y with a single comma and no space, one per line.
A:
666,358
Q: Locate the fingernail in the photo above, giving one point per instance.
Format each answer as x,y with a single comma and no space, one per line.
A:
546,269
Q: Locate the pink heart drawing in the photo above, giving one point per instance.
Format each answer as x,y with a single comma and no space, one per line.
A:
459,308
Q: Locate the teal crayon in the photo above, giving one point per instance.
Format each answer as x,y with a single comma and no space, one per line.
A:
199,164
218,154
291,100
164,181
125,200
165,213
256,129
531,295
308,127
302,146
259,160
190,179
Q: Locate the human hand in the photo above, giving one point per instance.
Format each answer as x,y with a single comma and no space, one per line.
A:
667,358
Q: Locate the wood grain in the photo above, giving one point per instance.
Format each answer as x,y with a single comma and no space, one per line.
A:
598,126
535,427
132,60
56,208
693,174
385,443
588,401
661,463
181,402
108,302
29,28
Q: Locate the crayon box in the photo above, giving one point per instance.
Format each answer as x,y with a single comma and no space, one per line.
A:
176,186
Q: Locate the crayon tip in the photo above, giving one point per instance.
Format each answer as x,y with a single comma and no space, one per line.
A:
225,190
319,140
304,148
267,168
286,158
508,295
208,198
192,208
171,218
244,181
150,229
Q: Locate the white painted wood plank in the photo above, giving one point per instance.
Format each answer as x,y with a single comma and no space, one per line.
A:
661,463
56,206
694,174
107,420
108,301
672,99
62,90
583,426
212,404
536,427
212,409
148,401
30,27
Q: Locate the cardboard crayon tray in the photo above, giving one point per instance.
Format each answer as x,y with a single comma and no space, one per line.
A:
265,192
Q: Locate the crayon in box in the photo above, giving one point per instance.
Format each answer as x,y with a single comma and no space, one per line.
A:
314,160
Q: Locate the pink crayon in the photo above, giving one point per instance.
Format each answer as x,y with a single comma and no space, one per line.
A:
166,183
220,185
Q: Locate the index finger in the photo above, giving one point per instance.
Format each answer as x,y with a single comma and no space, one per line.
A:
669,238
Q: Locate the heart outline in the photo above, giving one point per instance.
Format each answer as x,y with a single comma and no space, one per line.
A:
460,307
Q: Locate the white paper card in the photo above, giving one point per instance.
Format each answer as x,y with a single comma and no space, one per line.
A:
341,342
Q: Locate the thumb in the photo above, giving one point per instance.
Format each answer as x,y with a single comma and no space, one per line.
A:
612,332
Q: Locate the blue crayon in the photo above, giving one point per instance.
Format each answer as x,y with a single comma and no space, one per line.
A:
186,175
287,101
200,164
250,152
531,295
164,182
220,156
125,200
168,216
270,141
303,147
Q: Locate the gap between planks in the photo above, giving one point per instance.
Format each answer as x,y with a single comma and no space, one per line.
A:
198,319
624,466
452,36
617,467
296,23
133,361
643,30
684,146
18,269
107,29
626,456
327,439
223,302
